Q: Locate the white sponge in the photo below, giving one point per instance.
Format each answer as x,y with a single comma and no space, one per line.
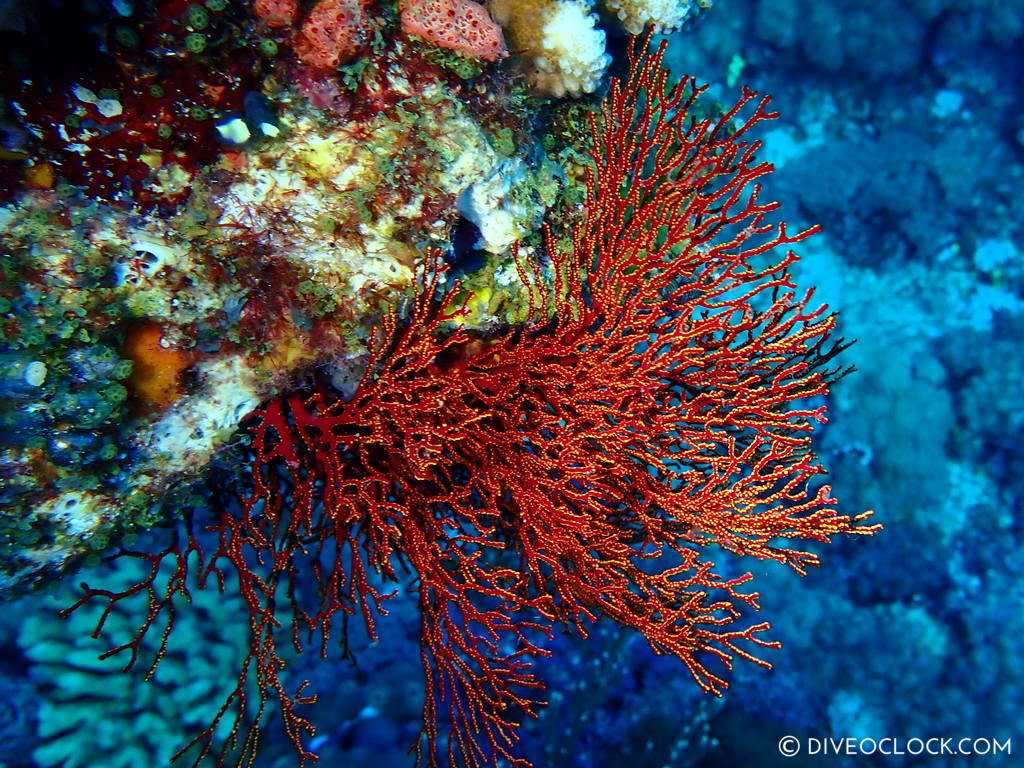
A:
571,56
663,15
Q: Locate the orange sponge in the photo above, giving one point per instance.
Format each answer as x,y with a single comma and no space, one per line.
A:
459,25
155,380
333,33
277,13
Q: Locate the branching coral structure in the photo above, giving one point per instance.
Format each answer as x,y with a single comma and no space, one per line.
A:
582,467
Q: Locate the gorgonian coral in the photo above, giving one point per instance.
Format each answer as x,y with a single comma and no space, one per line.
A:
577,468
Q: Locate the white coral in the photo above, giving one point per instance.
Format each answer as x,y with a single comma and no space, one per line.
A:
663,15
571,56
501,216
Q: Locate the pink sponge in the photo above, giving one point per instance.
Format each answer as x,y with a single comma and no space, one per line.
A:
459,25
333,33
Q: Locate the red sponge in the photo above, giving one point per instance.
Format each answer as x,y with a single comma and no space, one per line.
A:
333,33
277,13
459,25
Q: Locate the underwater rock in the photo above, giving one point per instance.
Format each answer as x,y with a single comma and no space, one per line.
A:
147,313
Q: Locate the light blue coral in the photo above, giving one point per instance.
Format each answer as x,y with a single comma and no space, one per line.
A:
93,715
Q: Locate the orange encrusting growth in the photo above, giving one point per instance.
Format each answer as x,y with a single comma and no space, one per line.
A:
39,176
156,377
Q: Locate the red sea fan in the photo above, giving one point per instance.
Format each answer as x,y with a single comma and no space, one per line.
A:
578,468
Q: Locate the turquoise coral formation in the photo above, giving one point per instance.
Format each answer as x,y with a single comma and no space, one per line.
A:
92,713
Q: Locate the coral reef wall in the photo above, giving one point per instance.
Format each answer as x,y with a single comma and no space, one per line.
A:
208,200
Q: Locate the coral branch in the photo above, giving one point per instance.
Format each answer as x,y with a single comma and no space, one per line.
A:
573,470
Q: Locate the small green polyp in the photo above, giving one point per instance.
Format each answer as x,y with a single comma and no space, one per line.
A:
195,42
197,17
